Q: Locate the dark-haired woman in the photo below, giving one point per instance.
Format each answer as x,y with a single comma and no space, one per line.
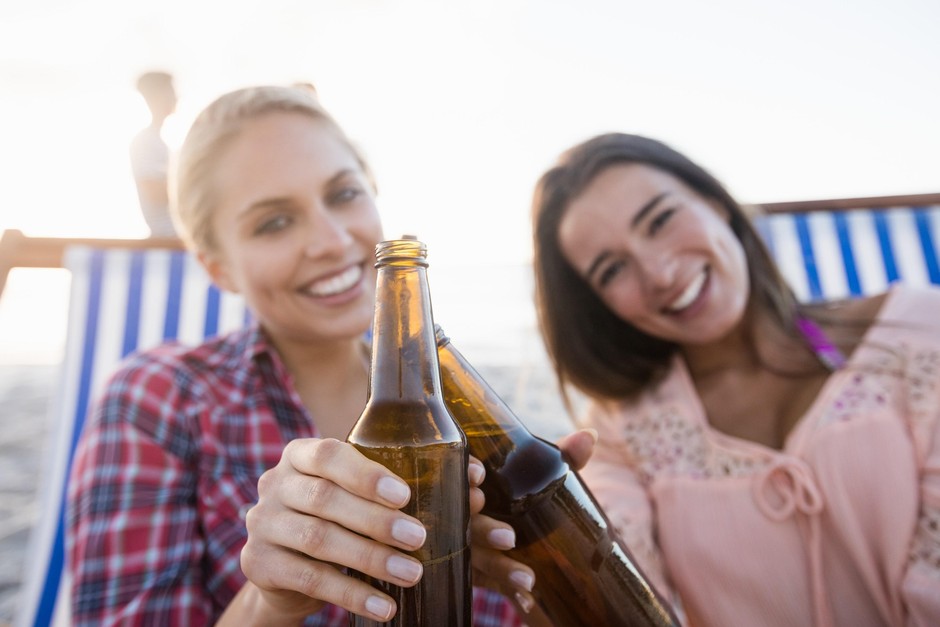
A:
770,463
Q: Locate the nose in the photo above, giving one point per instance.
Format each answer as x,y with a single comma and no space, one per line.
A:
328,234
658,268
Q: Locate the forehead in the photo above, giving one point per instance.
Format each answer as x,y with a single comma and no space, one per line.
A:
278,149
284,135
614,196
625,187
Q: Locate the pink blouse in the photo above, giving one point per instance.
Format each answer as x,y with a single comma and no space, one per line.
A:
840,528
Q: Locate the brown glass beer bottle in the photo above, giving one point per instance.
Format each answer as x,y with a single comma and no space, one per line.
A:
406,427
584,574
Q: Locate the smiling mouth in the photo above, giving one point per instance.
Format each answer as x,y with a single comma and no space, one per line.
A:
336,284
689,294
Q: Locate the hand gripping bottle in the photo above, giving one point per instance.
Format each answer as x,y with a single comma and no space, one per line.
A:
406,427
584,574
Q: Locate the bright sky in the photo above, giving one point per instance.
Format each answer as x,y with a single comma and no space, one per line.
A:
461,106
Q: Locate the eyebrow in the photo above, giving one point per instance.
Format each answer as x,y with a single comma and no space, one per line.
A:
635,222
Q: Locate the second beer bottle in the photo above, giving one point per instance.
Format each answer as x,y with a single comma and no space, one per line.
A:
584,575
406,427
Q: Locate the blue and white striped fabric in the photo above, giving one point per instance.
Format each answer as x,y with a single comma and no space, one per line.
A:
827,255
124,300
121,301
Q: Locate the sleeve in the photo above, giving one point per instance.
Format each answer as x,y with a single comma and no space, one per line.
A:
920,587
613,479
492,608
133,539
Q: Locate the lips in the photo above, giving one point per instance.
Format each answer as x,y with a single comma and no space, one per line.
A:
336,284
689,294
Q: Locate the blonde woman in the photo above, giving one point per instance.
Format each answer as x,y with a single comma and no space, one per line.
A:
212,484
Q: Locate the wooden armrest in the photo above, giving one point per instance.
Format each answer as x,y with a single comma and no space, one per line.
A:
21,251
848,204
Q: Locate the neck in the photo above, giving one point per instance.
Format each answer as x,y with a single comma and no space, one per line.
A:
332,380
324,361
157,119
756,343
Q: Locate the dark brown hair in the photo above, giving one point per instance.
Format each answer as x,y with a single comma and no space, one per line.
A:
590,346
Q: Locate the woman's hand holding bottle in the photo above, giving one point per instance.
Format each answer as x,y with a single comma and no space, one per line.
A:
326,507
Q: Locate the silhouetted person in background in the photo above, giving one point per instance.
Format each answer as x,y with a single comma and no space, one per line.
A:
150,155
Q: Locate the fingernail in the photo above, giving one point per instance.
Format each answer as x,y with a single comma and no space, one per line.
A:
522,579
593,433
379,606
524,601
501,538
477,472
393,490
403,568
408,532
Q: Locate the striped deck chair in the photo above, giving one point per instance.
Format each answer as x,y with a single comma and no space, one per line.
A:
121,300
132,295
836,249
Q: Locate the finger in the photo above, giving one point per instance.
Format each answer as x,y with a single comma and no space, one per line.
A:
323,499
496,570
327,541
578,447
491,533
282,575
343,464
476,472
477,501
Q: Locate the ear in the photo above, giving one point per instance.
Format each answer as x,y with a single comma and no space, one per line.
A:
218,271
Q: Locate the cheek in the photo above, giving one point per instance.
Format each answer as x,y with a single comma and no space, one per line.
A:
736,258
269,271
625,300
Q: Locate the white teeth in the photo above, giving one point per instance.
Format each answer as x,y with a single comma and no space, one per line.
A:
689,294
339,283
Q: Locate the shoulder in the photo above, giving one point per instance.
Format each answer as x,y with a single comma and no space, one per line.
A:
918,307
146,138
216,352
176,373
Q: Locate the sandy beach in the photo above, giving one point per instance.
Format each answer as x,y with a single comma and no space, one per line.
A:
25,393
25,396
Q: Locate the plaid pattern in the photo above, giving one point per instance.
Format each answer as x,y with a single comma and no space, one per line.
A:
169,459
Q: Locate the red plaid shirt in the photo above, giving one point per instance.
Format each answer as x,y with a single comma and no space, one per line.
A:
168,461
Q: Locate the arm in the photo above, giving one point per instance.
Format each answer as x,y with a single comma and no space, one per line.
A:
152,192
920,586
133,531
618,489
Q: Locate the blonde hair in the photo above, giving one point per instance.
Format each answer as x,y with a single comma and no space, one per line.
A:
193,198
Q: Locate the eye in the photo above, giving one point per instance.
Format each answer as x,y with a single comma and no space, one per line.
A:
661,219
346,194
609,272
273,224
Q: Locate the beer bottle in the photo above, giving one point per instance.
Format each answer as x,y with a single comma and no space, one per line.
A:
584,575
406,427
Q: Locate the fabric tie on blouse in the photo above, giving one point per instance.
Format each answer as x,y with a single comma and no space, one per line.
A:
783,490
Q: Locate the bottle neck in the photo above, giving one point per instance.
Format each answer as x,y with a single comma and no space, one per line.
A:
477,404
403,336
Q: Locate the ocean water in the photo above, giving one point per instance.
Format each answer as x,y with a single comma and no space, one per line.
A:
486,310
